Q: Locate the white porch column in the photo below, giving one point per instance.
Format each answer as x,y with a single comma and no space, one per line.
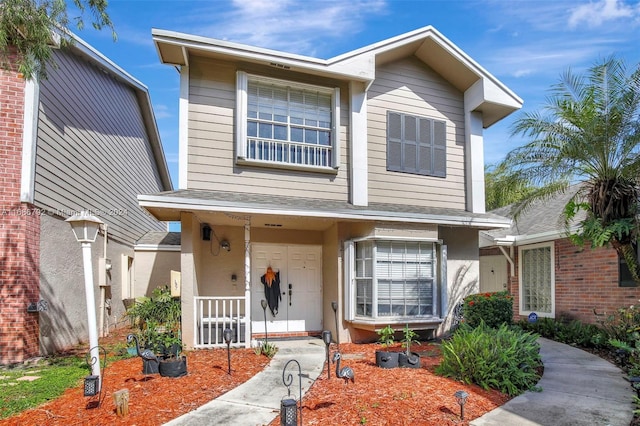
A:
190,233
247,283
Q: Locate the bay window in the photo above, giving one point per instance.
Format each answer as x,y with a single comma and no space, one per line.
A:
392,279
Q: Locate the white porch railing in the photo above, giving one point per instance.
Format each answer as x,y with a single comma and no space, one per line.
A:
213,314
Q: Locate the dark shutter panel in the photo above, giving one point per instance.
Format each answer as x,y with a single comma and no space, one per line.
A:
424,147
394,141
439,148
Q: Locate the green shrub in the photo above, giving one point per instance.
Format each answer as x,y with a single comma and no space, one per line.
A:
494,309
572,332
503,358
622,325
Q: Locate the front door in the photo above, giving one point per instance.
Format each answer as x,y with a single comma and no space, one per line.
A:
300,302
493,273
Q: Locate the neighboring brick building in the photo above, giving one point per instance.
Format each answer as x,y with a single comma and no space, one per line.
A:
19,231
558,278
85,138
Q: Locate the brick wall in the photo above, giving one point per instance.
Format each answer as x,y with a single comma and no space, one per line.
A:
19,232
585,280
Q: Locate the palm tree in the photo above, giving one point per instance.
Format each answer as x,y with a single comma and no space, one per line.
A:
589,134
503,186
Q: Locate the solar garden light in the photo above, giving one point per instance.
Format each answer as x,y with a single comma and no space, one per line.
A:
326,337
85,228
461,397
334,306
264,310
288,405
228,335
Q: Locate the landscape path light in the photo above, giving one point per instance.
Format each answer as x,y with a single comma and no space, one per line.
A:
461,398
85,228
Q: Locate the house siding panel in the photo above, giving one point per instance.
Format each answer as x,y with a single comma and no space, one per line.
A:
410,87
211,156
93,152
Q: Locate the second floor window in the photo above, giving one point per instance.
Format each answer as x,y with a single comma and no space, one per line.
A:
288,124
416,145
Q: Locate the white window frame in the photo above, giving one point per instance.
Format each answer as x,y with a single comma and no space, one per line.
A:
350,284
552,278
242,84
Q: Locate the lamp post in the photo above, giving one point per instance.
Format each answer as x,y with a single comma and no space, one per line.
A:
461,398
263,303
326,337
85,228
334,306
228,334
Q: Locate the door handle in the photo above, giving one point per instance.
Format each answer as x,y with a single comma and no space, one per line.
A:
290,293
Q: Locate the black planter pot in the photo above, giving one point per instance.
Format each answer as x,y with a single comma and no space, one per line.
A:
149,366
410,361
386,359
173,367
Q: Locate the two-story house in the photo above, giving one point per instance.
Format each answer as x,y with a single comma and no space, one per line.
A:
85,138
357,180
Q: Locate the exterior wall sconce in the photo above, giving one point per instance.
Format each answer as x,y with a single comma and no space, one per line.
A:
234,278
461,397
206,232
224,244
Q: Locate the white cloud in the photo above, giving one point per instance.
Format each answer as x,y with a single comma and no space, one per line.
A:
596,14
291,25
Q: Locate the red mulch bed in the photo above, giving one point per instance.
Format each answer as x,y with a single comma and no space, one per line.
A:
378,396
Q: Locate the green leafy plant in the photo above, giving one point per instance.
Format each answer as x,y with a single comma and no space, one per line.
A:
503,358
572,332
409,337
493,309
157,319
386,336
265,348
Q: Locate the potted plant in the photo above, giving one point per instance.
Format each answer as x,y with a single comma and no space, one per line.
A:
157,319
407,358
386,358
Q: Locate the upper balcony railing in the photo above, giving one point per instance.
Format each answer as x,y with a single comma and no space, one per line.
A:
285,152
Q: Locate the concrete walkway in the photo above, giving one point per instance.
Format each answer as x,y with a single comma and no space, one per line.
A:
578,388
257,401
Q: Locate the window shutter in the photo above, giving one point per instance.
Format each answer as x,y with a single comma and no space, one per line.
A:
439,148
349,288
394,142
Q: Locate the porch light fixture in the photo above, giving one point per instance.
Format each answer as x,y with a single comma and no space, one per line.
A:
326,338
228,335
85,228
224,244
206,232
461,397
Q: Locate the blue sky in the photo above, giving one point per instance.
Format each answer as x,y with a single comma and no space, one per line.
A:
525,44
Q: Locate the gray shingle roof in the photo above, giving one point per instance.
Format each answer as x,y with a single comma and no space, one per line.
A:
284,203
160,238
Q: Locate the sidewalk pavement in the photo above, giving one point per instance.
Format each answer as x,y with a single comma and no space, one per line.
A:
578,388
257,401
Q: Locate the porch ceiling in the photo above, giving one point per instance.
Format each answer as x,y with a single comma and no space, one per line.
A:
302,213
